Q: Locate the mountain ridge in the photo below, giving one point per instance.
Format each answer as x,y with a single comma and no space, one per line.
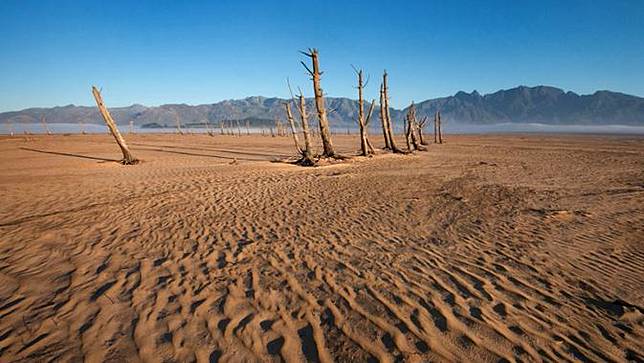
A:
522,104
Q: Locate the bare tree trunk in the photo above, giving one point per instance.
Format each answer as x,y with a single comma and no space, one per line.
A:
440,133
436,127
176,119
247,127
325,132
421,127
44,123
291,122
128,158
364,140
307,154
412,127
408,133
389,123
383,120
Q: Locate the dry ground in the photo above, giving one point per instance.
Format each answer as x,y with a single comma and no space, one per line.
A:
487,248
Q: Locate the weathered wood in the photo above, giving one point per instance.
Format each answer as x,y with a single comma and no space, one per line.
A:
383,120
436,127
45,126
325,132
289,116
390,130
421,127
128,158
307,154
440,132
412,130
362,122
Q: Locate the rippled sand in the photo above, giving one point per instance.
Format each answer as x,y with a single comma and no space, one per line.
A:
486,248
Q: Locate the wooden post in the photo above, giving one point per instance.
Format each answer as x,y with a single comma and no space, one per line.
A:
128,158
325,132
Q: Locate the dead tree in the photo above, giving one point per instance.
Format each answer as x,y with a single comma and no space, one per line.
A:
421,127
306,153
128,158
45,126
413,142
363,124
436,127
82,127
440,133
247,127
383,120
291,122
131,130
325,132
388,122
176,119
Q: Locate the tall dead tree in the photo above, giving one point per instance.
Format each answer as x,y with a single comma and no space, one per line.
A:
176,119
325,132
128,158
383,120
388,122
363,123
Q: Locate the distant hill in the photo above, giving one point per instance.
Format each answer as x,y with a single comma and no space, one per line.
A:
542,104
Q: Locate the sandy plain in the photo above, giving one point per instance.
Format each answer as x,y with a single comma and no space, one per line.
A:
487,248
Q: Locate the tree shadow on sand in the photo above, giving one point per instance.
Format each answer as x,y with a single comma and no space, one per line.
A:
71,155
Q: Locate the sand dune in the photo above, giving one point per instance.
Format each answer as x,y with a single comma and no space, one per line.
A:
486,249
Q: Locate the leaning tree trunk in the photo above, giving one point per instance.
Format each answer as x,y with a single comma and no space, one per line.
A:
289,116
128,158
325,132
390,131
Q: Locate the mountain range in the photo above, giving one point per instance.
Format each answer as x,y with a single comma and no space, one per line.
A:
541,104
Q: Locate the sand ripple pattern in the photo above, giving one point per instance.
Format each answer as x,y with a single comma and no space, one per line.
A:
486,249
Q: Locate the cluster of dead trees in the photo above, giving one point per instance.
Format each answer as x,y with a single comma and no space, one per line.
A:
414,137
413,128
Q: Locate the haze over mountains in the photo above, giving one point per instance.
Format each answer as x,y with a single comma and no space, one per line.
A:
541,104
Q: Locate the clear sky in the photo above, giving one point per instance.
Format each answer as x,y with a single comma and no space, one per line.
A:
156,52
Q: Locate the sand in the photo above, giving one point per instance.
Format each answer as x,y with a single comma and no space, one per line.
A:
484,249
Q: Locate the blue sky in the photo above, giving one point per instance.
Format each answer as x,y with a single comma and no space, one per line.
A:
156,52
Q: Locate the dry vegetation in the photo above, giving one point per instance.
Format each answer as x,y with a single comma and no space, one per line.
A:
483,249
